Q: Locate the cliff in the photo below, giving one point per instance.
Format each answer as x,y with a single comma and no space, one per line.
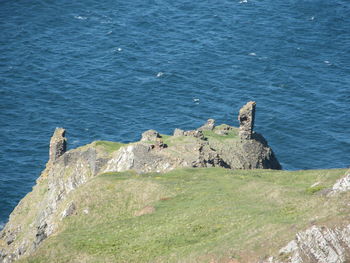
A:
149,201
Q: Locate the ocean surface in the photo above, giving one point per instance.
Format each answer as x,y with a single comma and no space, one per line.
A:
109,70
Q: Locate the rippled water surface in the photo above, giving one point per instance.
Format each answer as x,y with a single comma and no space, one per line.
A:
112,69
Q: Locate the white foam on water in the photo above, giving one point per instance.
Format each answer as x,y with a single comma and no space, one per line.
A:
252,54
80,17
327,62
243,1
160,74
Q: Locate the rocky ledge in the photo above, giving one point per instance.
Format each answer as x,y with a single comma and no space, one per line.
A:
207,146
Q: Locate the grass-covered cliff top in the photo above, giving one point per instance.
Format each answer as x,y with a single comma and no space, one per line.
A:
191,215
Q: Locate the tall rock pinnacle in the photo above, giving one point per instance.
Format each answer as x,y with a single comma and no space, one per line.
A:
58,144
246,120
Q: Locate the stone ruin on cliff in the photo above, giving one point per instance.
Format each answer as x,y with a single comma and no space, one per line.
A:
58,144
246,118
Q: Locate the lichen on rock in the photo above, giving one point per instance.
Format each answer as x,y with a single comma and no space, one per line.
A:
246,120
58,144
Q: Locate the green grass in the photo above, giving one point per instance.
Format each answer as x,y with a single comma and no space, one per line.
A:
109,146
315,189
232,134
200,215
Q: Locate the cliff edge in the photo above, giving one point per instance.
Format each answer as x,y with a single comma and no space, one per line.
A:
39,214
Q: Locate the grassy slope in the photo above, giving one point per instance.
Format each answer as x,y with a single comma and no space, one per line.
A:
200,215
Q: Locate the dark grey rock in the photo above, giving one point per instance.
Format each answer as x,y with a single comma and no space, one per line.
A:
10,238
246,120
40,234
21,250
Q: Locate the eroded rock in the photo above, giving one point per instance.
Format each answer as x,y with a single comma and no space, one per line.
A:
342,185
150,135
66,171
317,244
41,234
208,126
246,120
195,133
58,144
178,132
70,210
223,130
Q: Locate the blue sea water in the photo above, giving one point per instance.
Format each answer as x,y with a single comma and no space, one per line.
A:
109,70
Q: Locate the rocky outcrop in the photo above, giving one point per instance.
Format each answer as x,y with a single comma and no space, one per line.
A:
246,118
316,245
247,154
44,203
208,146
319,244
178,132
193,133
58,144
342,185
138,157
209,125
150,135
144,158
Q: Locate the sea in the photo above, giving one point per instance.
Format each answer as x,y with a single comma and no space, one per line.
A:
109,70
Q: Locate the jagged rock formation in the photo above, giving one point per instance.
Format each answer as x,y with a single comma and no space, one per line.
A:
246,120
58,144
342,185
208,146
319,244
